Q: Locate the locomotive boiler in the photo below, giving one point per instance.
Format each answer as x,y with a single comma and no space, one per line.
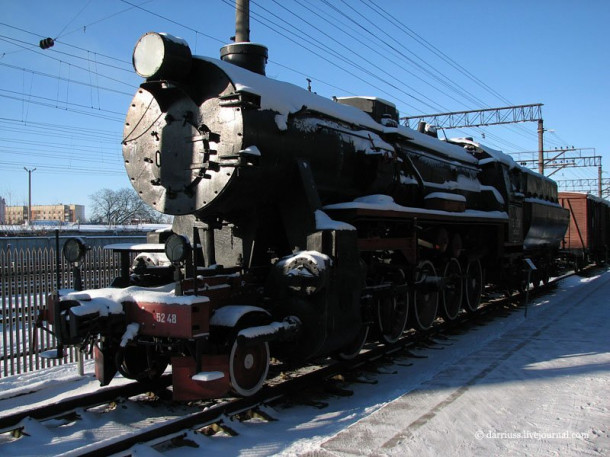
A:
303,226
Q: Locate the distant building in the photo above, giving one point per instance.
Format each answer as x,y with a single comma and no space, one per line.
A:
16,215
2,211
62,213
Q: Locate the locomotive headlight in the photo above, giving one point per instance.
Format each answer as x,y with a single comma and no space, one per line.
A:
162,56
74,250
177,248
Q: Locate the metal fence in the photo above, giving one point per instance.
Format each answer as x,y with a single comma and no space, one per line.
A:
27,277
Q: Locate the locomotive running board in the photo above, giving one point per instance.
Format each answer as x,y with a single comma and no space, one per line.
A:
354,210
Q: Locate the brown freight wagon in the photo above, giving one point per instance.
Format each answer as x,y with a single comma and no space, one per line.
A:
587,237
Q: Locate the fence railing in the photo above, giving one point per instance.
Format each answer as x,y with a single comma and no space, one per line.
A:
27,277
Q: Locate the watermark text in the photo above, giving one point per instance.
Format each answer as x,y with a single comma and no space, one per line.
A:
529,435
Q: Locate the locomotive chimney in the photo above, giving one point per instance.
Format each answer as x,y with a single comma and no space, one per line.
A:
242,21
242,53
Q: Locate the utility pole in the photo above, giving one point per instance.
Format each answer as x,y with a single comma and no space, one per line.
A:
29,193
540,146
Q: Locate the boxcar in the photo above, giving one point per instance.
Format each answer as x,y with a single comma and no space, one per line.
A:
587,237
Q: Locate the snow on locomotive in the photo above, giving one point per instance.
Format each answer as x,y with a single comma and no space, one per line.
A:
303,226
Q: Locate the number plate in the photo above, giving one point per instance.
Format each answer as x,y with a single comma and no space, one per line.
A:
170,320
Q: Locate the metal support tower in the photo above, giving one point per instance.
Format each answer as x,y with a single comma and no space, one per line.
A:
485,117
479,117
585,185
578,157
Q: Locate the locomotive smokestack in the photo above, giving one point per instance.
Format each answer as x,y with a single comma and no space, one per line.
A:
242,21
242,53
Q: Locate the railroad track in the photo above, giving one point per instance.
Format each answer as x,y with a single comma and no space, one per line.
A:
11,422
216,413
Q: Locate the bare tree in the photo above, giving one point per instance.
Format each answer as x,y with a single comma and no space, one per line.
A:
122,207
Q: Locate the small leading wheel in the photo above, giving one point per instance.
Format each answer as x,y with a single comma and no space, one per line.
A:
426,295
473,285
248,367
140,363
452,290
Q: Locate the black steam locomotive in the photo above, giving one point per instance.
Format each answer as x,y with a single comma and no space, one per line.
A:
303,226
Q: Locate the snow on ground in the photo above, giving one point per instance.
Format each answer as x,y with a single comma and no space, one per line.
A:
535,385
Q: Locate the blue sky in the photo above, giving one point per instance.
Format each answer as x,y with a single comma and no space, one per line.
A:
62,109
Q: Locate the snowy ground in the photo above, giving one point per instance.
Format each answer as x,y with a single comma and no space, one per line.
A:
535,385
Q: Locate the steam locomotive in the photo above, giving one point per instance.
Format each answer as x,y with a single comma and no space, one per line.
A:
303,226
